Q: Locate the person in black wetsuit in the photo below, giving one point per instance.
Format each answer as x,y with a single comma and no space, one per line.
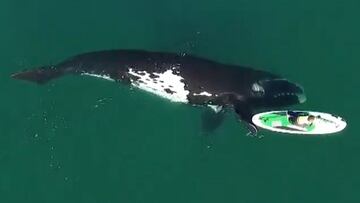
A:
301,119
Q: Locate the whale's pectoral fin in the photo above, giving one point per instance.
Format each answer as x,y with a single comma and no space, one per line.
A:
211,120
245,113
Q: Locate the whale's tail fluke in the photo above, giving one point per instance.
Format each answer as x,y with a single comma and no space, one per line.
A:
40,75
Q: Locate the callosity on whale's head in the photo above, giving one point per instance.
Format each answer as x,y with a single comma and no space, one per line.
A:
277,92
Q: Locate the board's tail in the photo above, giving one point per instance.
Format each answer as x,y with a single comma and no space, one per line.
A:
40,75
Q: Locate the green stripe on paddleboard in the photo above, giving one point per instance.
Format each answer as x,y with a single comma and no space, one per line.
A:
271,119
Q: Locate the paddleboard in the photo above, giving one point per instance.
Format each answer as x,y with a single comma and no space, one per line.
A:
280,121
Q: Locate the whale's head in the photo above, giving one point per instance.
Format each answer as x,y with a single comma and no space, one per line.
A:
277,92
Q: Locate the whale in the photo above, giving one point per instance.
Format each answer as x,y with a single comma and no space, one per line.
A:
182,78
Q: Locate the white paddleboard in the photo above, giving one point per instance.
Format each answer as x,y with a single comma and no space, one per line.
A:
278,121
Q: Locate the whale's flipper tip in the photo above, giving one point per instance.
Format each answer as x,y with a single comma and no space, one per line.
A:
40,76
211,120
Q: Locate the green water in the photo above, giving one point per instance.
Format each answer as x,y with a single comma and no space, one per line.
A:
88,140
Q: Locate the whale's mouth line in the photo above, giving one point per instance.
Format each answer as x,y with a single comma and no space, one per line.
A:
280,90
301,97
285,94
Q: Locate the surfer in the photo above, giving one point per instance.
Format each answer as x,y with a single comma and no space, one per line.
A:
301,119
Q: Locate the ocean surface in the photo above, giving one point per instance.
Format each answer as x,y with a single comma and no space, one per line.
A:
82,139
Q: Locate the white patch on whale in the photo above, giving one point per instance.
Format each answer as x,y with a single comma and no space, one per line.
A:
106,77
166,84
203,94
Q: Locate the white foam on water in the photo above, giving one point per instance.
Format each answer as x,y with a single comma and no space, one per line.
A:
216,108
106,77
